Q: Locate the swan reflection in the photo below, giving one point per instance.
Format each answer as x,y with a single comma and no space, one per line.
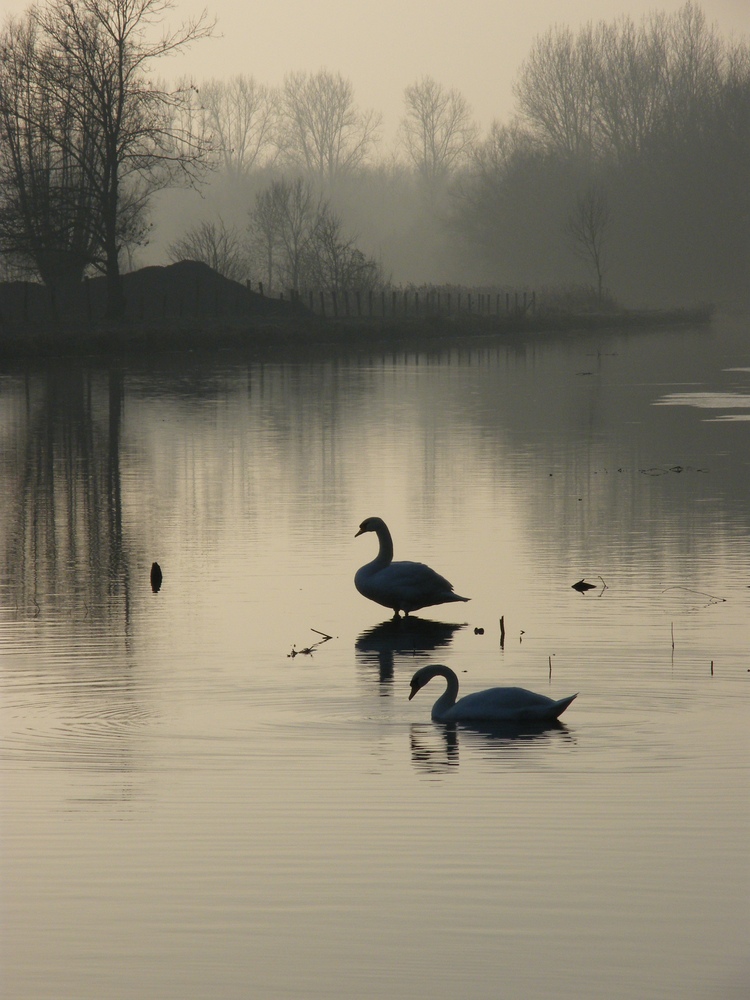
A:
408,637
435,746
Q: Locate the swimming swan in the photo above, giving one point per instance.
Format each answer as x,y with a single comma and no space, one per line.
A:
511,704
403,586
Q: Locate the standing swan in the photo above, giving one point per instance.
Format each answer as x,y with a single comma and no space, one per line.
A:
403,586
493,705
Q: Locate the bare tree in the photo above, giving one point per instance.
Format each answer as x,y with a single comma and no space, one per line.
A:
556,90
222,247
298,241
135,150
243,117
587,229
693,71
324,132
47,223
437,130
265,222
630,83
281,226
334,262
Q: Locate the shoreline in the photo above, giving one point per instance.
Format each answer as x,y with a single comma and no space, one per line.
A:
303,331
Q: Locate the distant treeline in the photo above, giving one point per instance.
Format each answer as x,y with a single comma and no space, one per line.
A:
625,167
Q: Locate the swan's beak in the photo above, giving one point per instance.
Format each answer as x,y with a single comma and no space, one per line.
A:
360,532
413,692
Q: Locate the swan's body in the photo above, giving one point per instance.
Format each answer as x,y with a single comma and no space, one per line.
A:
402,586
511,704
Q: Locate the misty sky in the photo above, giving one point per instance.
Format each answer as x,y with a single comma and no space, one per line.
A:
475,46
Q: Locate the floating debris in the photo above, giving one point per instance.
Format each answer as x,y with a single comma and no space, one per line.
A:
156,577
308,650
582,587
685,599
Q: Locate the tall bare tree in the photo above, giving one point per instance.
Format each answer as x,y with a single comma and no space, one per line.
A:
243,116
136,148
437,130
556,90
323,131
630,84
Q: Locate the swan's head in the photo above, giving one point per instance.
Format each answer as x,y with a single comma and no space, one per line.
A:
425,674
369,524
418,681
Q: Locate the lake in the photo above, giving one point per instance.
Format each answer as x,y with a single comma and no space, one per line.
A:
219,789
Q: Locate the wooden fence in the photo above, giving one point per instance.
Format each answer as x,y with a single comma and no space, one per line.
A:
392,303
155,295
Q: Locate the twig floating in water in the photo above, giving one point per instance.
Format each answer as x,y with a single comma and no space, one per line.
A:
308,650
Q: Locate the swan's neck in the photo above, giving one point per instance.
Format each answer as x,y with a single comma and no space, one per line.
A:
447,699
385,552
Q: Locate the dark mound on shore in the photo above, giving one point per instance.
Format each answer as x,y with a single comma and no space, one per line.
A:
188,291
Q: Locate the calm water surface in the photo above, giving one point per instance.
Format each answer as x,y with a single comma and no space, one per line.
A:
203,797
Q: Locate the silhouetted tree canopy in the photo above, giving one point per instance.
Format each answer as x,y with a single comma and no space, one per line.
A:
111,137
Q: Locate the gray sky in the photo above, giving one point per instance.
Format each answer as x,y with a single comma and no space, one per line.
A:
475,46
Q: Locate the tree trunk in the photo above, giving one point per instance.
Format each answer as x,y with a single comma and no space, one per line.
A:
115,308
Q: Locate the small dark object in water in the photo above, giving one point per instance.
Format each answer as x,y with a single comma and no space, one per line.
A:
478,631
156,577
582,586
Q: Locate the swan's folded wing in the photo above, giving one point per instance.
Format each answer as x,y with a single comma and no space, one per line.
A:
416,576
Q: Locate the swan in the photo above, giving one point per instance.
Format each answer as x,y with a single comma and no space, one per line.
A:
511,704
402,586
